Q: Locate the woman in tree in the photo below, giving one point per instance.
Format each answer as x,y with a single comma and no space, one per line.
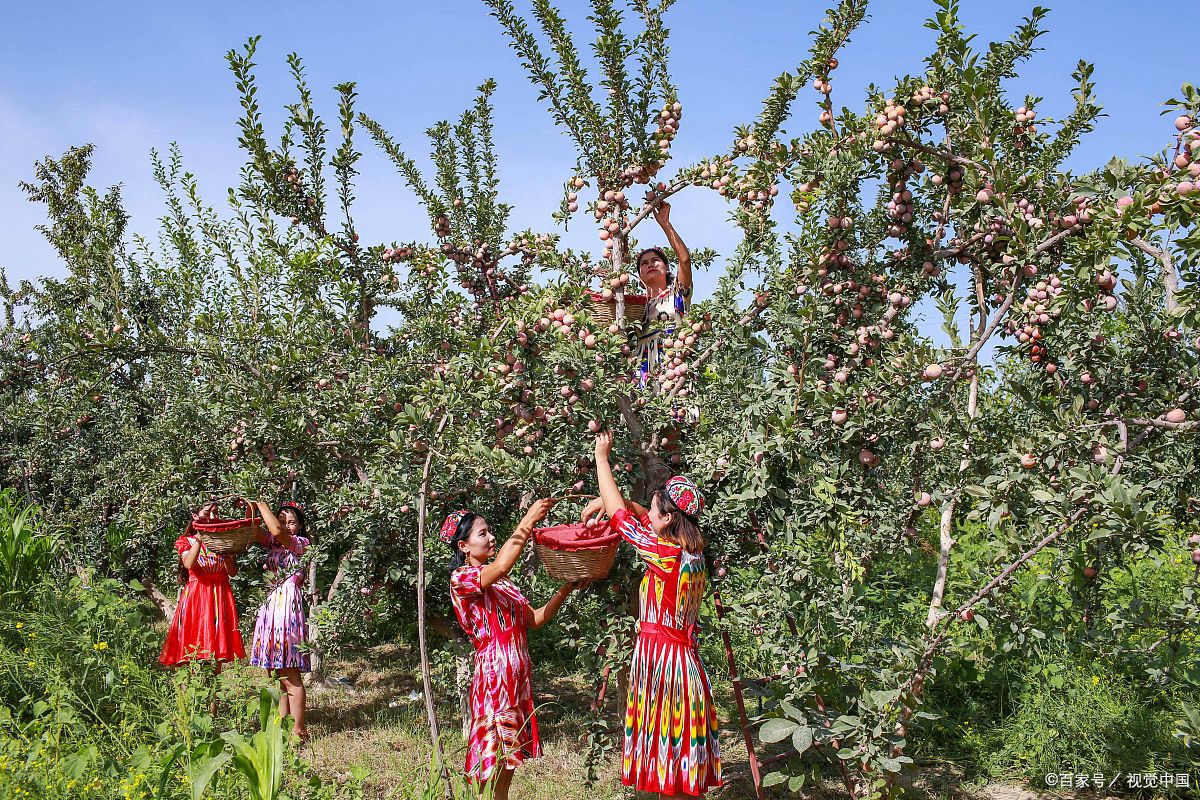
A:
205,626
281,629
667,296
495,616
671,742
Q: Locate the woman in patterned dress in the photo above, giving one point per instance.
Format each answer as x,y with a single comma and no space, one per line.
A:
205,625
667,296
671,742
281,629
495,616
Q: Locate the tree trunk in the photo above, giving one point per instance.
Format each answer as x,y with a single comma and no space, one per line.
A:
164,604
426,677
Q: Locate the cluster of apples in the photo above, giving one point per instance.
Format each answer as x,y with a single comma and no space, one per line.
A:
441,226
851,296
895,115
530,414
1187,159
668,127
392,255
900,208
717,174
1023,127
675,370
610,213
237,444
295,182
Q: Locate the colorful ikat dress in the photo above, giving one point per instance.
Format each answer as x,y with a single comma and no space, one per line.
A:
281,628
504,729
670,720
205,625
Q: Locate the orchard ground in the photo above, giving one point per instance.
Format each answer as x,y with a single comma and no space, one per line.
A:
370,713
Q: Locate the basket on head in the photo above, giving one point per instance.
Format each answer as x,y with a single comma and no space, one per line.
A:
575,552
228,536
604,310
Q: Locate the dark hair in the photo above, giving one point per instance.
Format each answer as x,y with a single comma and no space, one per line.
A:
299,512
461,532
684,529
661,254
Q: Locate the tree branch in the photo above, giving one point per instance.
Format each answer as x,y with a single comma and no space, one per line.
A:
1170,276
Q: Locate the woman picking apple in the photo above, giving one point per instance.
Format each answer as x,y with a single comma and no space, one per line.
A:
671,742
281,630
667,296
495,616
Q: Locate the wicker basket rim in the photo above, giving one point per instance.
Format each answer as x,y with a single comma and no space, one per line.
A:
629,298
225,525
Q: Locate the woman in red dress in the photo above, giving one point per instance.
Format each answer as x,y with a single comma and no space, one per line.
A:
205,626
671,742
495,615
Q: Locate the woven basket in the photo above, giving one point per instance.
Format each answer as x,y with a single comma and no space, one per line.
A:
228,536
570,556
605,311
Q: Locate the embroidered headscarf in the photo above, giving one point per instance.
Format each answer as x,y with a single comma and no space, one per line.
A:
685,495
450,526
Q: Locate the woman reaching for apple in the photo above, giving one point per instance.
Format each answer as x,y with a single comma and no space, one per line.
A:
668,686
496,616
667,296
281,629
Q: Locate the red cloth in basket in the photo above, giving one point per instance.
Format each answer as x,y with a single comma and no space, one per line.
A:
576,536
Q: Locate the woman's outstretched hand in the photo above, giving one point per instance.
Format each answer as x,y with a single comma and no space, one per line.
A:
604,440
592,509
537,512
662,213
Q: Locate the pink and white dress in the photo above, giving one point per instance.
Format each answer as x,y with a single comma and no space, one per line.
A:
281,628
503,726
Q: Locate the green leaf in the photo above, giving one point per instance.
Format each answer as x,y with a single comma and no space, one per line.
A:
776,730
203,775
774,778
802,739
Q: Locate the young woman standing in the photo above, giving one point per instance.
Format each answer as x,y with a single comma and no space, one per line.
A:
205,625
496,616
280,630
671,742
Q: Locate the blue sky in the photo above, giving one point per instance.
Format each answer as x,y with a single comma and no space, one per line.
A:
131,76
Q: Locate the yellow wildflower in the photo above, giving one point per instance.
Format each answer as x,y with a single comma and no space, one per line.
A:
100,646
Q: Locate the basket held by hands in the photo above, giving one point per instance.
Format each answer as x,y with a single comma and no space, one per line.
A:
575,552
228,536
605,311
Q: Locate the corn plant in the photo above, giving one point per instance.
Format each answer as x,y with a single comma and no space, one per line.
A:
25,552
